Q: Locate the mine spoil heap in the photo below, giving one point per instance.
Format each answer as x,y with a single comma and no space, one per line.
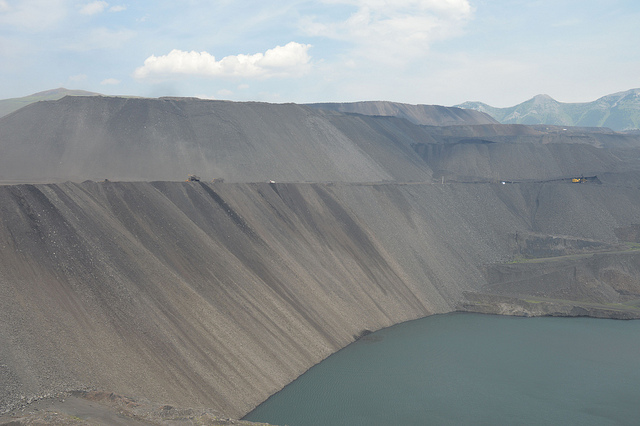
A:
305,228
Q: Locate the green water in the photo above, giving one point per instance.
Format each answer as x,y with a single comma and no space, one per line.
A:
469,369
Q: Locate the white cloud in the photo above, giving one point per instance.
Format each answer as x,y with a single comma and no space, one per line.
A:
4,6
281,61
94,7
394,29
110,82
117,8
225,93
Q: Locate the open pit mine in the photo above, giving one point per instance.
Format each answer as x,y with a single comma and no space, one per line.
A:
123,280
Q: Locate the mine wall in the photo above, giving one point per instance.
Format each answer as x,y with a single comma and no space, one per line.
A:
127,139
218,295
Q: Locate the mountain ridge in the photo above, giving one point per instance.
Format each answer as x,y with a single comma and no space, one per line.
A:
7,106
428,115
619,111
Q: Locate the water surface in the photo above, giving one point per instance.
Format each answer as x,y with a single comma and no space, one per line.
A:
471,369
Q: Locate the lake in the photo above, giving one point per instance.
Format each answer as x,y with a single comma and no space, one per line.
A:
472,369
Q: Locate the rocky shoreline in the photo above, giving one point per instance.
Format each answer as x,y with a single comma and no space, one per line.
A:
104,408
503,305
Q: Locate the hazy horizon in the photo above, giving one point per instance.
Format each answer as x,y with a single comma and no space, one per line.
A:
441,52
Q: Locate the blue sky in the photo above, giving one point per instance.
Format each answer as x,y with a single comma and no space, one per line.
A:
440,52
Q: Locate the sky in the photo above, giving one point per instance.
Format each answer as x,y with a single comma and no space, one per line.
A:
439,52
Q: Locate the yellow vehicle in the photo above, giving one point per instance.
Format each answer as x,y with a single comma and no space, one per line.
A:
579,180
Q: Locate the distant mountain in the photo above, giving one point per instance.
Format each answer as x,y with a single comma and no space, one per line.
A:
619,111
430,115
7,106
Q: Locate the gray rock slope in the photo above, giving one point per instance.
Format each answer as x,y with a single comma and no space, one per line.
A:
97,138
79,138
218,295
516,152
430,115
